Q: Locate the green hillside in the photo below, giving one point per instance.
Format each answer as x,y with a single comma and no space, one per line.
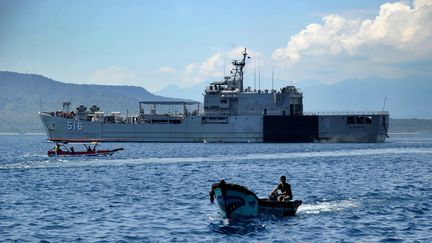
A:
22,96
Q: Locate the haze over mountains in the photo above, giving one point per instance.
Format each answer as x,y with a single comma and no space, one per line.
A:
23,95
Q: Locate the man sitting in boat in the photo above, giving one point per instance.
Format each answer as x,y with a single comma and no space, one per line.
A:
285,191
57,148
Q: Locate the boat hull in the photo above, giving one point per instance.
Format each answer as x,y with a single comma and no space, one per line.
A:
286,208
52,153
235,129
235,201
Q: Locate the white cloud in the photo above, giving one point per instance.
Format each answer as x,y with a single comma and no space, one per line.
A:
400,34
114,76
167,69
212,68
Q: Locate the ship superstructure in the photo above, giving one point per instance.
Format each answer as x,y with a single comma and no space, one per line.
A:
231,113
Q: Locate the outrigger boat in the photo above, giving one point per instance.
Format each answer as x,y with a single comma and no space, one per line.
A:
236,201
90,150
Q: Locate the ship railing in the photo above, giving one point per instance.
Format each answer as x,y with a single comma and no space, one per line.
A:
62,114
346,113
169,108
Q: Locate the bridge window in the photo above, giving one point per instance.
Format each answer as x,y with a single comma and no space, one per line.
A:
350,120
368,120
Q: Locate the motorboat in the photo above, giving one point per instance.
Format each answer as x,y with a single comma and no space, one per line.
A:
63,149
236,201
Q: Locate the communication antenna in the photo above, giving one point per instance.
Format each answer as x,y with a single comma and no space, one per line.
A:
259,73
224,66
255,74
385,102
40,103
272,75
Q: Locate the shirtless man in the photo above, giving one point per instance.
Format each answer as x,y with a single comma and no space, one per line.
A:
284,188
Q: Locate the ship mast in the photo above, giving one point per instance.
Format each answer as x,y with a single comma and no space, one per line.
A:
237,72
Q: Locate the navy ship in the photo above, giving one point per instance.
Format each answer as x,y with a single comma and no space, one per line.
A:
231,113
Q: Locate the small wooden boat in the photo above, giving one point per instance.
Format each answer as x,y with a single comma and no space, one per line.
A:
236,201
65,151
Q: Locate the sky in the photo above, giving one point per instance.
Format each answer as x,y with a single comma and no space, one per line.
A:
157,43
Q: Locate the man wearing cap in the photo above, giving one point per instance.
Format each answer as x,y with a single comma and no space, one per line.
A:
285,190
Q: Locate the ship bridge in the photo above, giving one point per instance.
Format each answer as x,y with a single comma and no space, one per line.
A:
228,97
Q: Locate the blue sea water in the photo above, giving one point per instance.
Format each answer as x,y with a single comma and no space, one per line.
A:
159,192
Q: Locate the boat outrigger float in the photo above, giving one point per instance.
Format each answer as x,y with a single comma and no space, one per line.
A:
236,201
90,150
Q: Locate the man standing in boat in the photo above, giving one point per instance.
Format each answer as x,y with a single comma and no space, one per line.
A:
284,188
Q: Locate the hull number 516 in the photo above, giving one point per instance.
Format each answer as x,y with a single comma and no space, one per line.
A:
76,126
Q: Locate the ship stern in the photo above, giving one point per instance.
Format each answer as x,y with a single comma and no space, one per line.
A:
384,121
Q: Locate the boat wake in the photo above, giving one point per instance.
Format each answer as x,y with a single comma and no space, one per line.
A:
219,158
322,207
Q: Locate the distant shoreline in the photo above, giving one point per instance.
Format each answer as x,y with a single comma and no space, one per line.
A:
405,133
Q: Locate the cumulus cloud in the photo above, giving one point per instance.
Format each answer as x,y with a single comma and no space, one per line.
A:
401,33
213,67
114,76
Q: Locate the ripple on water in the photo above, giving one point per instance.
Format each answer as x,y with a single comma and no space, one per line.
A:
159,192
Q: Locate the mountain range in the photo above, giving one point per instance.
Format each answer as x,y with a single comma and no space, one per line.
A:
23,95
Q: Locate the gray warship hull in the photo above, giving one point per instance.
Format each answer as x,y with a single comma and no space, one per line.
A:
233,129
